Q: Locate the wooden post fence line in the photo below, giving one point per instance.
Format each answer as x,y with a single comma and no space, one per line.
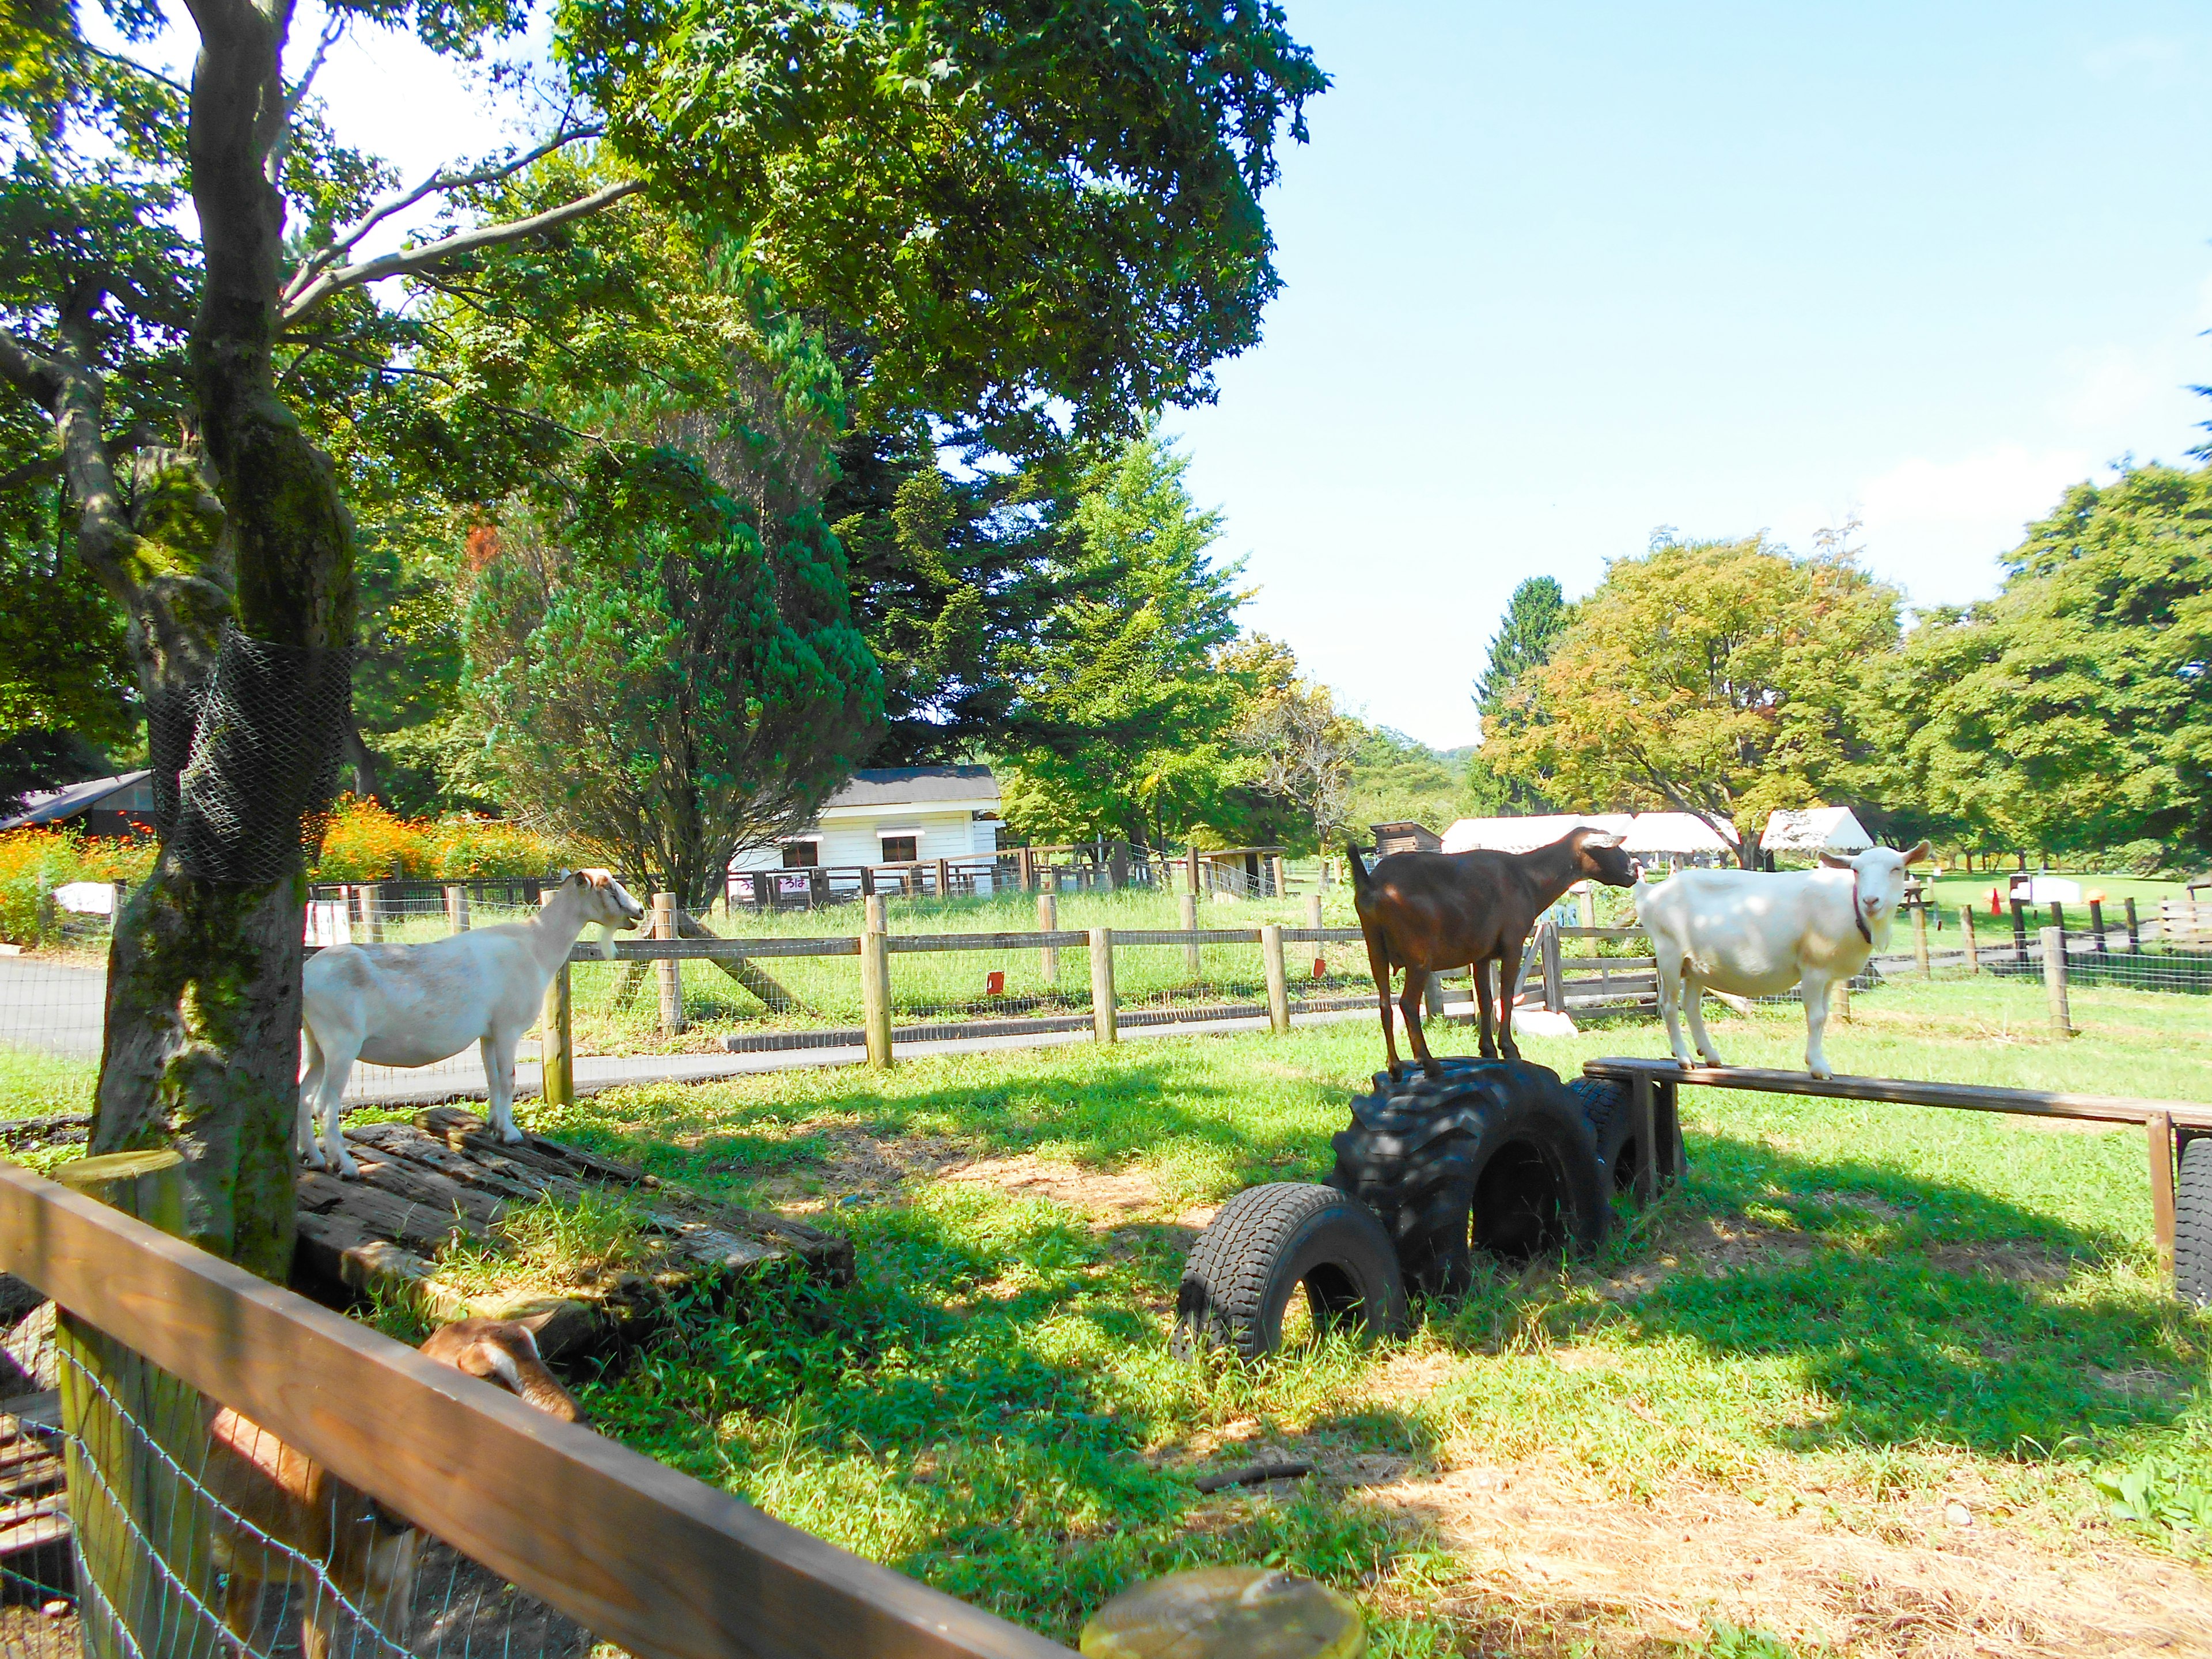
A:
556,1039
876,996
1103,1023
1966,933
1920,941
1049,922
1187,904
1279,981
669,971
2054,980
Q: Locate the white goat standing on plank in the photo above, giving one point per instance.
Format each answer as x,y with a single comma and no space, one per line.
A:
414,1004
1750,934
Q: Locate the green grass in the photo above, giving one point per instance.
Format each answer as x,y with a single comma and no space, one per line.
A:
33,1084
1863,1304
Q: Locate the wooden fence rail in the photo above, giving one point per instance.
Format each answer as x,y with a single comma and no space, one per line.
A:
642,1556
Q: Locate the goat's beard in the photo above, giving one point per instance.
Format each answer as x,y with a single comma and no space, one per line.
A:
607,941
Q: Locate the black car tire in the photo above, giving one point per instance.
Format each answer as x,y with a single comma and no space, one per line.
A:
1268,1243
1495,1155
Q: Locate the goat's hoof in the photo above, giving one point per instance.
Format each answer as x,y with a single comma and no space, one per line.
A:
1686,1062
512,1136
343,1166
1433,1072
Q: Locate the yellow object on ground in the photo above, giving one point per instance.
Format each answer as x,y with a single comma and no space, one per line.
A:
1227,1612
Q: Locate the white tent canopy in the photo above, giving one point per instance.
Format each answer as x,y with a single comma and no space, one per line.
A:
1525,835
1815,829
1680,833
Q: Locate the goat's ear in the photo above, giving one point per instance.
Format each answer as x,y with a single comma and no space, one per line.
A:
577,879
1831,861
1918,854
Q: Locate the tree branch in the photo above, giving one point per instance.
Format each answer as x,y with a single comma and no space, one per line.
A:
333,28
136,68
323,258
30,372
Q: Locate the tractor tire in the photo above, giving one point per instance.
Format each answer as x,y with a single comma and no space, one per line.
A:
2192,1223
1268,1243
1610,1106
1495,1155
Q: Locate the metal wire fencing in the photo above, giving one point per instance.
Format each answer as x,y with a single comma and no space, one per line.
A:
192,1533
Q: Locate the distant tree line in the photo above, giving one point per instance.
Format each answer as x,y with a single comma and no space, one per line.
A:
2070,715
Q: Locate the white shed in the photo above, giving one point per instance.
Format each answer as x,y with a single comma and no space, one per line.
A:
894,815
1815,829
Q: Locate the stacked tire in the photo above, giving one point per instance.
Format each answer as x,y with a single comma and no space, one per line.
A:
2192,1223
1607,1107
1497,1156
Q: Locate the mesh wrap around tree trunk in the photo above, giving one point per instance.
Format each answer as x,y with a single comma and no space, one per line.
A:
267,750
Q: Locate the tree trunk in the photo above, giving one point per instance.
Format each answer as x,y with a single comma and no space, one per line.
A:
202,1052
202,1032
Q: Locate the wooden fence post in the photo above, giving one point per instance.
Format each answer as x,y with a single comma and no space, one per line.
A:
1432,997
1279,983
1920,941
2097,924
668,971
1967,931
137,1519
556,1047
872,915
1026,861
1281,876
1586,903
2160,1127
1313,915
1555,999
2134,937
876,992
2020,932
945,878
1049,922
1102,984
457,909
1187,904
2054,980
1193,870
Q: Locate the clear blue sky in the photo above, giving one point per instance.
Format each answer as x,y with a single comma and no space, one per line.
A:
1556,277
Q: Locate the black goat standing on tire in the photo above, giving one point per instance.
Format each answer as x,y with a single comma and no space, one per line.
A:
1430,912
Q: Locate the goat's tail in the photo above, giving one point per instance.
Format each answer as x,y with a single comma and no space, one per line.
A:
1360,881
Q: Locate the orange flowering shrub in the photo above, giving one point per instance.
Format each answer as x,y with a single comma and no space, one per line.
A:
365,842
34,862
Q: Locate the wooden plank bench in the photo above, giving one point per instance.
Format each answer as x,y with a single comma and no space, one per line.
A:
2168,1123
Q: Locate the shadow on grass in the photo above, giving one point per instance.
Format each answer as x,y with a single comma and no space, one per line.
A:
991,1407
1092,1113
1920,1311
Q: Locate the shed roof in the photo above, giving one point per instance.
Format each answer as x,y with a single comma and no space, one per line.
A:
1677,832
1524,835
1815,829
57,805
905,786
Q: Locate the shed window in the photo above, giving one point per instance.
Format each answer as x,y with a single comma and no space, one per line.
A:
900,849
801,854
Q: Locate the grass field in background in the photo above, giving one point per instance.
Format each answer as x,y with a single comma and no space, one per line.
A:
1849,1307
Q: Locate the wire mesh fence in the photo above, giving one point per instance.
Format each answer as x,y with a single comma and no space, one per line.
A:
192,1533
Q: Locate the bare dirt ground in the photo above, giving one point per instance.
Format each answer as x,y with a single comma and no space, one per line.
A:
1934,1577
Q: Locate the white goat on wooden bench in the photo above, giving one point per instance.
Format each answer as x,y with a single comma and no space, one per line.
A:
414,1004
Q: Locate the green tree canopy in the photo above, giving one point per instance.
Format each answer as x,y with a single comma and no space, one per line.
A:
2075,710
1534,619
1126,726
1720,678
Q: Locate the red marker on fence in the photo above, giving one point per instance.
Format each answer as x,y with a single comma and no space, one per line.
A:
1320,967
994,985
